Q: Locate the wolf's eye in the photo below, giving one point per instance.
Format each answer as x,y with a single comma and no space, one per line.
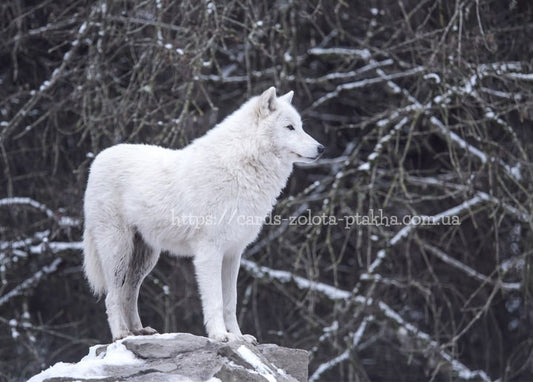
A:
290,127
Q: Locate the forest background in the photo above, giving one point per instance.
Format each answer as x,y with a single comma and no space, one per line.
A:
426,108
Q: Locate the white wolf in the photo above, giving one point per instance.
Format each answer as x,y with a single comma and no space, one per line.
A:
143,199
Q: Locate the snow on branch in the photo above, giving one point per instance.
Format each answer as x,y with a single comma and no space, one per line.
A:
225,77
27,201
361,53
43,246
468,87
63,221
458,140
521,215
336,294
405,328
259,271
520,76
56,247
402,233
28,283
352,73
366,82
345,355
443,99
379,146
467,270
484,158
36,94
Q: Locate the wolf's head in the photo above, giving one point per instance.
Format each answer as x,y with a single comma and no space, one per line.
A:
282,125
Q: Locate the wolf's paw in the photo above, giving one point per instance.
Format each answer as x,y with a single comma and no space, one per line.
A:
224,337
250,339
232,337
146,331
122,335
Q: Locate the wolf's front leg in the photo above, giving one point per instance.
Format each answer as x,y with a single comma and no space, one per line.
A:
208,266
230,271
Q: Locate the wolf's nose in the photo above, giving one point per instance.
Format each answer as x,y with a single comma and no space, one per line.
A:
320,149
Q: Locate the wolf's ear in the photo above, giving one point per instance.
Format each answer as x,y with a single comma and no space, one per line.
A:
267,102
287,97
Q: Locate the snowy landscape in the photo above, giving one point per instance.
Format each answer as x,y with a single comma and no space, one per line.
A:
403,254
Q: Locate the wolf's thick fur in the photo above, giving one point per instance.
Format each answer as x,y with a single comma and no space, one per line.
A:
197,202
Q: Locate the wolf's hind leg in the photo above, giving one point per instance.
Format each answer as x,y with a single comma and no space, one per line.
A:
143,260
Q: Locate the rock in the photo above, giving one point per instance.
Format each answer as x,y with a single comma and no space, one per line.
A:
146,347
182,357
290,360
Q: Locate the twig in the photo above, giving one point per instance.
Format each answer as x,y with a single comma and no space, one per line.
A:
467,270
26,284
345,355
336,294
63,221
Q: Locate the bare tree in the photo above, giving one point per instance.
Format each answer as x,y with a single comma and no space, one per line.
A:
403,255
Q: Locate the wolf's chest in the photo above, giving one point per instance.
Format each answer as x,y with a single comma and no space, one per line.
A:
243,221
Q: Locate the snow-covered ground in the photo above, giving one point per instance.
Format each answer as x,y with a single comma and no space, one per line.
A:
115,358
92,365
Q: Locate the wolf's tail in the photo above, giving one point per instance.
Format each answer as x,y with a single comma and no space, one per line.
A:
92,265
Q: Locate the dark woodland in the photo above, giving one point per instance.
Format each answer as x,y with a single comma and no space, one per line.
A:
426,109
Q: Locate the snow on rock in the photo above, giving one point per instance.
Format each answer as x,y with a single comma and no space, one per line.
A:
93,365
182,357
256,363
